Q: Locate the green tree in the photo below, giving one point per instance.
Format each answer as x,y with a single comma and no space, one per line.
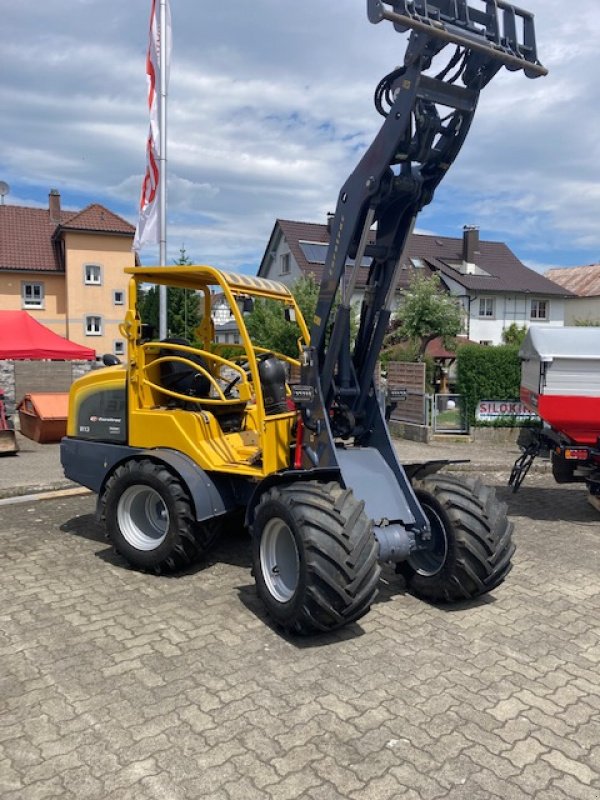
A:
268,326
183,307
426,313
514,334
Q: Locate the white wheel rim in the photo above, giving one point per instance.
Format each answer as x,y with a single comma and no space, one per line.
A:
279,560
143,517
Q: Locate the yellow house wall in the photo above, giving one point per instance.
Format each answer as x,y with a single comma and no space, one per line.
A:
54,312
112,254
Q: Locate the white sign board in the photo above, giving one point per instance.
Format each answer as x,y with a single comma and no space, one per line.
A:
489,410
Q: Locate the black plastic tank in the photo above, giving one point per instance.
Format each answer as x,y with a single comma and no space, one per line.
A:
272,380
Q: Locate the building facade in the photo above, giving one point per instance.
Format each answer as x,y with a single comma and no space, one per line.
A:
583,307
66,270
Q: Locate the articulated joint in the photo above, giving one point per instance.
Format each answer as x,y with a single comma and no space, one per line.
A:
396,543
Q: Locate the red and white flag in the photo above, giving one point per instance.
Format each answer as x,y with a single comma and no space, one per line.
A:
147,231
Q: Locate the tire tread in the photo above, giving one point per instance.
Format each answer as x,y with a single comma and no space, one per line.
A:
480,557
341,556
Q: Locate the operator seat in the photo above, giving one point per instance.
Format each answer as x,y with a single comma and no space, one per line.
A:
183,378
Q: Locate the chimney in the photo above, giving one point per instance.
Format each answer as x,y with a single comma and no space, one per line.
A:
54,206
330,218
470,247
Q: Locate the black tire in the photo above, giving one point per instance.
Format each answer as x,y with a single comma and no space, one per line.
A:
320,541
472,540
562,470
149,518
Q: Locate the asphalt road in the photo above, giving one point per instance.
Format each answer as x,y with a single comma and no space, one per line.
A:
120,685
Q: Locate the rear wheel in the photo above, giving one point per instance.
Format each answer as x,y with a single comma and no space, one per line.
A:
315,556
471,541
562,470
149,518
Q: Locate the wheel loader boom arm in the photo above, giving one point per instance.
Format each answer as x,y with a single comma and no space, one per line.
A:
427,117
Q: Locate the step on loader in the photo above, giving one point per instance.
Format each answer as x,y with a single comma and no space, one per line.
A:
184,436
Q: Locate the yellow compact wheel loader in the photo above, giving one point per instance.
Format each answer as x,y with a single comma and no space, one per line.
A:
183,436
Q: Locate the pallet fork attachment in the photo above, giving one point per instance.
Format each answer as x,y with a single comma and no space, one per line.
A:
490,31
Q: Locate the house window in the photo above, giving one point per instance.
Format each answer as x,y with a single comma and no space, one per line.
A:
284,263
486,342
93,274
118,298
119,347
32,295
93,326
539,309
486,307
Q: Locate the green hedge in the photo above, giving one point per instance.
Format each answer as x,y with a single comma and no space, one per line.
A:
487,373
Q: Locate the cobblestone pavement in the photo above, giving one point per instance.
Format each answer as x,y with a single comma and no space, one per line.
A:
120,685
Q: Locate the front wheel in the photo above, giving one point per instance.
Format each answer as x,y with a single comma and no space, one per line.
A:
471,546
149,518
315,556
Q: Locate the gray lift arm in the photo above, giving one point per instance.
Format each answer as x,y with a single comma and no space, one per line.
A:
427,118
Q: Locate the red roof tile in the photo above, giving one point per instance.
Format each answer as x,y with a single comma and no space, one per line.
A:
26,234
98,218
26,239
436,349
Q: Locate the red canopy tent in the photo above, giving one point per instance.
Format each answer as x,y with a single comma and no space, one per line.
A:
23,337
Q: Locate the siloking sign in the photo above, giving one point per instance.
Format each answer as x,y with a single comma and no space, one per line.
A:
489,410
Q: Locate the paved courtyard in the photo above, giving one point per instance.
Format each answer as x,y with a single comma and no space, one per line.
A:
120,685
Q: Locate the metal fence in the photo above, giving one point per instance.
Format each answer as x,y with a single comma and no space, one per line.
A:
449,414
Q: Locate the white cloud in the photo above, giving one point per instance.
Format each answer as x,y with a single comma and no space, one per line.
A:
270,108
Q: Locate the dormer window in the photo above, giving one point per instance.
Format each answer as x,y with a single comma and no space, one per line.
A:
467,268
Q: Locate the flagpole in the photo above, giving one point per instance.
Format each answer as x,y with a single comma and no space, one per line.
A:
162,186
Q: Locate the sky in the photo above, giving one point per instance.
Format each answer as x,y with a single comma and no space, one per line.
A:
270,108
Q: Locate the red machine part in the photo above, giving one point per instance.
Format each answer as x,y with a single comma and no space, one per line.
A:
576,417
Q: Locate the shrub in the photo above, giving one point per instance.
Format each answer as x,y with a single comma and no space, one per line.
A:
487,373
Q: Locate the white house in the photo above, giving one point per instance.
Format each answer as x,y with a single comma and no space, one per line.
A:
493,286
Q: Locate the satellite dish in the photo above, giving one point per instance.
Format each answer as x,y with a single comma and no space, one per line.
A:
4,190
